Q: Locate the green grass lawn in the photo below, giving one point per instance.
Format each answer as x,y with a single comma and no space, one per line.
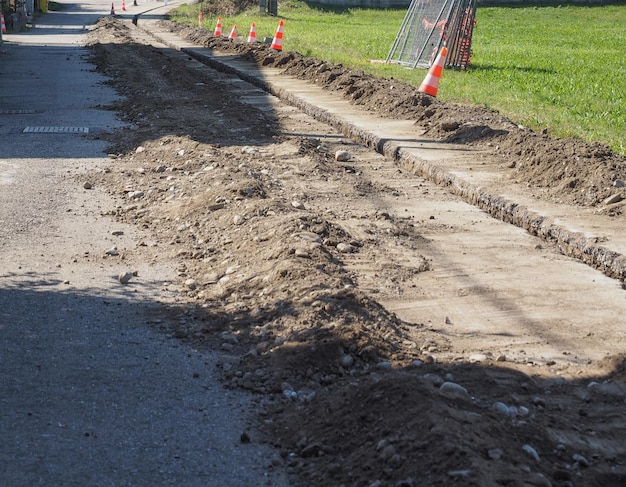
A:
561,68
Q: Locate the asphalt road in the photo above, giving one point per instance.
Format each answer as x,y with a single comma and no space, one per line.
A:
91,393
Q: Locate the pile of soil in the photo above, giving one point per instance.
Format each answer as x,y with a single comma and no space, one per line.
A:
347,392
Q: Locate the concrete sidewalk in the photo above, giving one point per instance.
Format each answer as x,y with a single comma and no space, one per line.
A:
468,173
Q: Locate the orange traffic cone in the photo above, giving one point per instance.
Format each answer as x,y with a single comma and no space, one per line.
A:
233,33
431,82
200,19
252,35
218,27
123,6
277,43
4,26
112,9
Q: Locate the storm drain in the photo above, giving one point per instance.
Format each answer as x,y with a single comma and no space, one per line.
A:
56,130
17,112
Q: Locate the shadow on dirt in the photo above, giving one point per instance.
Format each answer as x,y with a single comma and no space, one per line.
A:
350,396
343,395
350,400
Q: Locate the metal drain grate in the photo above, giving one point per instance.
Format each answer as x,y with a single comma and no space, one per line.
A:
17,112
56,130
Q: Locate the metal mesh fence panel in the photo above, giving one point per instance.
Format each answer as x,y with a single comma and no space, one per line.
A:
430,24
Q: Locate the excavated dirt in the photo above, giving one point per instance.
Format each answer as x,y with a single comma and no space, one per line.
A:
261,224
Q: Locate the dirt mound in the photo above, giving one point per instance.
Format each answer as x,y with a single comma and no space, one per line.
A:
404,429
261,224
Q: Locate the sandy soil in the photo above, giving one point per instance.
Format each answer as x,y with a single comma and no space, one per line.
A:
271,236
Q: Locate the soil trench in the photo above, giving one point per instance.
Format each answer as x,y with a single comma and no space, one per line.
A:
392,333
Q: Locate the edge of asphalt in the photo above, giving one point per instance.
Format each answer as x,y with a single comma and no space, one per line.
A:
577,232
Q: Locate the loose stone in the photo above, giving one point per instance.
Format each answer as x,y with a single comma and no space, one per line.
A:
478,357
500,407
309,237
532,452
301,253
346,361
293,395
342,156
433,379
459,473
539,401
616,198
495,453
211,277
381,444
125,277
112,252
384,365
387,452
580,460
449,125
453,390
345,248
